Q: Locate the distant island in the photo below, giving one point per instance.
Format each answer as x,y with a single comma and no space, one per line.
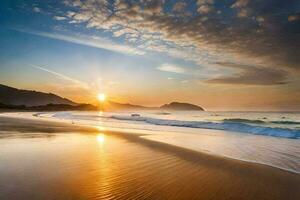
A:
181,106
17,99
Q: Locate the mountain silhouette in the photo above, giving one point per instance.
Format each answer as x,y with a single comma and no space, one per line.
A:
13,96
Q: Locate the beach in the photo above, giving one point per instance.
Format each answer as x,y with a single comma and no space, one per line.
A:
150,99
43,159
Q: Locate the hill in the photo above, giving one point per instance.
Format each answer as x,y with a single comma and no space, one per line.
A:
13,96
171,106
181,106
111,105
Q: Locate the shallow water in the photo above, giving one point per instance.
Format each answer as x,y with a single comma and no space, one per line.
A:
275,124
102,166
199,131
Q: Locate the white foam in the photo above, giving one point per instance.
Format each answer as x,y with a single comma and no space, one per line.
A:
229,126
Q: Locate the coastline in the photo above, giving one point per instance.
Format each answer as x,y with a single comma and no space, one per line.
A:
149,135
283,184
275,152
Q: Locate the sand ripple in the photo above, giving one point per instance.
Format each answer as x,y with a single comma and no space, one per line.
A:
105,166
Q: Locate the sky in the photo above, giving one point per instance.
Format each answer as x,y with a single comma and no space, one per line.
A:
221,55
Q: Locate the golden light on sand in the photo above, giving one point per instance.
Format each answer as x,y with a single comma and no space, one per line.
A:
101,97
101,138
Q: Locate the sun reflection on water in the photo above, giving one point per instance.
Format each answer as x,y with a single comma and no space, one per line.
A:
101,138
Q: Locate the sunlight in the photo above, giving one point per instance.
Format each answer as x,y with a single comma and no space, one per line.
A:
101,97
101,138
101,128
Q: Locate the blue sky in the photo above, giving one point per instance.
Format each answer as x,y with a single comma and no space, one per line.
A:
153,52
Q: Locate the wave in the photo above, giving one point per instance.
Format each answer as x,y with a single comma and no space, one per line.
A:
235,126
256,121
285,122
70,115
256,127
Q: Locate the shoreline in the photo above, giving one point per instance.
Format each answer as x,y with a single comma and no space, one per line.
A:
123,133
228,178
142,135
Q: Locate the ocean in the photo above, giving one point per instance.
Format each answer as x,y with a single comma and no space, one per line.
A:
270,138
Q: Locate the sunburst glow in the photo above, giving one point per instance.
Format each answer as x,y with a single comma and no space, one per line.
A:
101,97
101,138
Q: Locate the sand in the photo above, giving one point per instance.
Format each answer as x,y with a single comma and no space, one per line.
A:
52,160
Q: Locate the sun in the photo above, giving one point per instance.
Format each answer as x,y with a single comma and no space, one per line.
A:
101,97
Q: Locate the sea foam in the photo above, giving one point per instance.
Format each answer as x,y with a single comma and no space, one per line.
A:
228,125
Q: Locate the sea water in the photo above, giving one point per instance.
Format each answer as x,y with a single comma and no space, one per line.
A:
270,138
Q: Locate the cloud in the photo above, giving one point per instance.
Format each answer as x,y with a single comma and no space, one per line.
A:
201,2
153,6
92,41
171,68
251,75
205,6
113,83
59,18
61,76
242,8
243,13
36,9
240,3
211,36
204,9
252,32
179,7
72,86
292,18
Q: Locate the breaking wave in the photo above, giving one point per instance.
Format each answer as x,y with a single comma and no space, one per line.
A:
236,125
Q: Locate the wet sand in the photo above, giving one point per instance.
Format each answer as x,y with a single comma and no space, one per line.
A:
51,160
